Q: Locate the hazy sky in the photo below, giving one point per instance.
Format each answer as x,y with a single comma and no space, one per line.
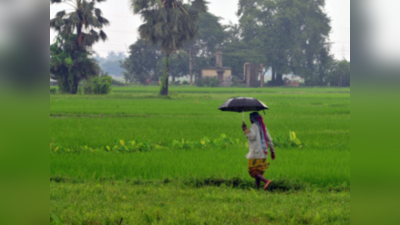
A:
122,31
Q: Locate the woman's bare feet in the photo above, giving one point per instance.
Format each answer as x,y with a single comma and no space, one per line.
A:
266,185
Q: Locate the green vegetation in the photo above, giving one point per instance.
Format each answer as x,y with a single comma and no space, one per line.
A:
319,169
98,85
170,24
106,203
171,163
287,36
78,29
134,146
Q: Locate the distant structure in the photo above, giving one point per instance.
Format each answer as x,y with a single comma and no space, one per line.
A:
53,82
251,73
224,74
293,83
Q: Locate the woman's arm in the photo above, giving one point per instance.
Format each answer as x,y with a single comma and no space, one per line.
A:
251,133
270,144
269,141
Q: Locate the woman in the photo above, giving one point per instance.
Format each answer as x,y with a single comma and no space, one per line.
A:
259,140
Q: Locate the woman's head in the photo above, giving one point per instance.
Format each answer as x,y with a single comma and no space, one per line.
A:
254,116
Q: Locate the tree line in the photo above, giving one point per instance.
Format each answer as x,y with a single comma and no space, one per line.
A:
180,38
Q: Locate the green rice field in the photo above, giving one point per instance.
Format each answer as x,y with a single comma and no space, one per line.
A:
198,184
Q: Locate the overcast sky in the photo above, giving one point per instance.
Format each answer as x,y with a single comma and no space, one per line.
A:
122,31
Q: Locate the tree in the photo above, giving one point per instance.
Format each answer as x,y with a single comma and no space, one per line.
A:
309,26
76,35
111,63
169,23
142,61
179,64
70,65
294,34
237,53
340,74
82,21
256,31
210,39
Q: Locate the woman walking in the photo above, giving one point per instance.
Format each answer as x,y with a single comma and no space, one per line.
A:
259,141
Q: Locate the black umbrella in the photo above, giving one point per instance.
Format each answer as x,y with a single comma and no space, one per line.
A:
242,105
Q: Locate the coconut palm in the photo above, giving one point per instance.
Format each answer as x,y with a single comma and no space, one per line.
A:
83,20
169,23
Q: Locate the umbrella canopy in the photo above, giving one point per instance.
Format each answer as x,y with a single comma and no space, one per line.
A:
243,105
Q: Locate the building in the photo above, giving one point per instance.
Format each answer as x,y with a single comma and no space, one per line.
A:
53,82
224,74
251,73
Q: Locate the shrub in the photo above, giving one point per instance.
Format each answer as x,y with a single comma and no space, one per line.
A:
235,81
199,82
80,90
117,83
98,85
214,82
208,82
185,83
53,90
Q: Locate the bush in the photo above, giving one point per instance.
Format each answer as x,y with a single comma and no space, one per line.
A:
98,85
185,83
214,82
208,82
200,82
117,83
53,90
235,81
80,90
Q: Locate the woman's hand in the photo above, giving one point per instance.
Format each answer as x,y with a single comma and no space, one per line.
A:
273,155
244,127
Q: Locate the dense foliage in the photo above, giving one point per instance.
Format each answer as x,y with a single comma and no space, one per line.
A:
286,36
145,60
340,74
77,32
169,24
69,64
142,62
98,85
292,37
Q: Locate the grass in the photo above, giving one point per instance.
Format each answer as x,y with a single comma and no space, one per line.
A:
315,177
323,169
106,203
323,119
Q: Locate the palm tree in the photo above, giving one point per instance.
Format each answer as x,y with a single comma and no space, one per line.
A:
169,23
82,21
78,29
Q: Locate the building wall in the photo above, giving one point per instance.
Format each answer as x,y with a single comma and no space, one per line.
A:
213,73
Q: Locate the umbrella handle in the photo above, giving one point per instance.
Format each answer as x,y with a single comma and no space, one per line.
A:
243,117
